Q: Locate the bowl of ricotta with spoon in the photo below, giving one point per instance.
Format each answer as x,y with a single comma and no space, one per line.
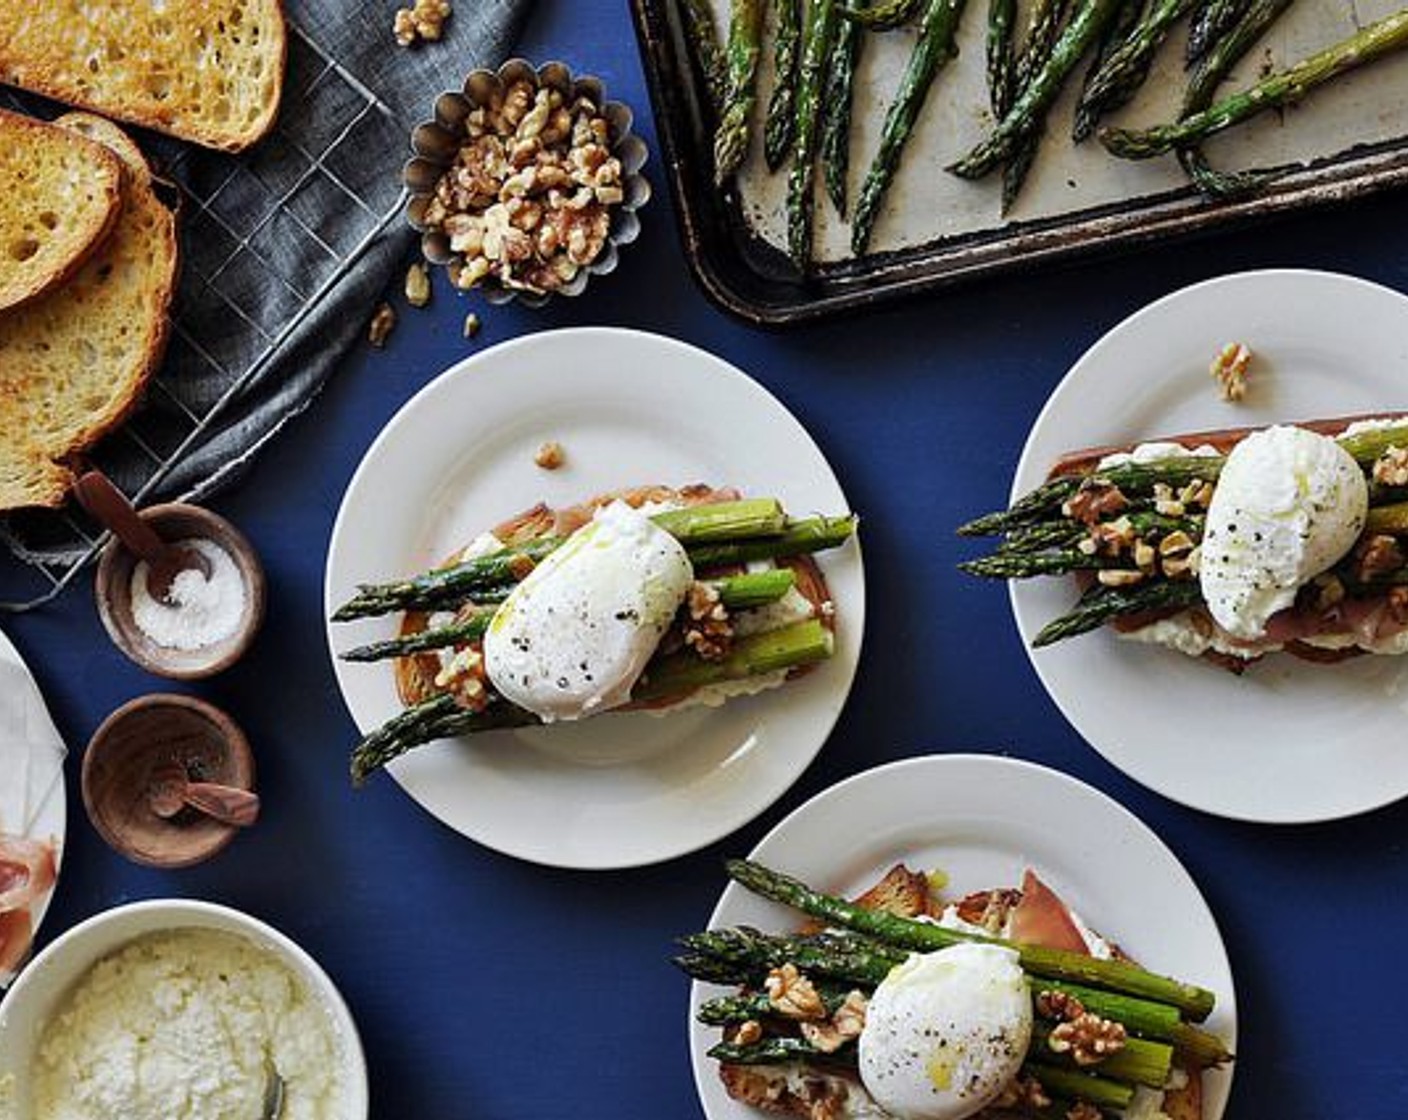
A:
177,1010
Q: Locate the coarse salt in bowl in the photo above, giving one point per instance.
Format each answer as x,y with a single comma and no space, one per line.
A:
212,618
45,986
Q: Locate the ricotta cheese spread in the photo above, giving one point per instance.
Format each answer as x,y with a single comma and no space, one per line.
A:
184,1025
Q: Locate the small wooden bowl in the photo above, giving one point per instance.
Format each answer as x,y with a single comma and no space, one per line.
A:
113,593
142,735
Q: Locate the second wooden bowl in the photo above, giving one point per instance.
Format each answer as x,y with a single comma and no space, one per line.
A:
118,772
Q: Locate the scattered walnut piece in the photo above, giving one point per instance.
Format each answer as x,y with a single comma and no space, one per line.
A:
747,1033
1112,537
382,323
1378,556
1054,1004
708,631
426,20
1083,1110
417,285
550,456
1096,499
1023,1093
1391,468
792,994
1088,1039
1178,555
849,1018
1398,604
463,677
844,1026
1229,370
471,325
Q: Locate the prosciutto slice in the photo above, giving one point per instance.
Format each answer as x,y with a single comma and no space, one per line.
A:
1041,918
27,872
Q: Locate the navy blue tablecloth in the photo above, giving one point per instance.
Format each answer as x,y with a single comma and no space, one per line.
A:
491,989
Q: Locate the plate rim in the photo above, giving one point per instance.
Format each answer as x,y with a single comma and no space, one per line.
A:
903,769
1026,468
470,365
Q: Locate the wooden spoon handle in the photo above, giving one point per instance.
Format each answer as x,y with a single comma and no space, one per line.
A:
110,506
226,804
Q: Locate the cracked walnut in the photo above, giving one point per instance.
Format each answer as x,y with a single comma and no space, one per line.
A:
1086,1037
425,20
708,630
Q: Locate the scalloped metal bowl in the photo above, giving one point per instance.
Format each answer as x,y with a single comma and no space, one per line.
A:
437,142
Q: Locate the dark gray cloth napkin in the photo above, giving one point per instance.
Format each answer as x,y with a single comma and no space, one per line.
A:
263,231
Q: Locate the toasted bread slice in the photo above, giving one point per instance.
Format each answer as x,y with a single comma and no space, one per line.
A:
900,891
60,194
210,72
74,363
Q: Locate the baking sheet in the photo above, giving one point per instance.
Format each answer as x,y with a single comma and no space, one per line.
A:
935,227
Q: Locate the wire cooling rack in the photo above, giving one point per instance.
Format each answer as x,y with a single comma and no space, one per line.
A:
238,302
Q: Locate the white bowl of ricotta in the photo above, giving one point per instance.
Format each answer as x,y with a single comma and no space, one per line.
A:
175,1009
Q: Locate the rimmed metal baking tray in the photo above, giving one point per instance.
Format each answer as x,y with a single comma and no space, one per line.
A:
939,231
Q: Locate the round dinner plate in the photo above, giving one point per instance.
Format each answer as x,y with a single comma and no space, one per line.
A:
981,819
628,408
1287,741
50,819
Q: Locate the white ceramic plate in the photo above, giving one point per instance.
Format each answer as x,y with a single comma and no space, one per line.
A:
982,819
50,818
628,408
1287,741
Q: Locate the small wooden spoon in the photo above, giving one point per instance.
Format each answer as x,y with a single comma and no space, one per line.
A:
171,789
109,505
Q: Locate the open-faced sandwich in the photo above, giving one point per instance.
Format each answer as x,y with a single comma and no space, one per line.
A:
654,597
1228,545
1000,1005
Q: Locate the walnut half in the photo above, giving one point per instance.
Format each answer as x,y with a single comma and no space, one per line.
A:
426,20
792,994
1087,1037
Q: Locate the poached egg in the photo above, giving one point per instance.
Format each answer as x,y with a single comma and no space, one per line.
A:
575,635
945,1032
1289,504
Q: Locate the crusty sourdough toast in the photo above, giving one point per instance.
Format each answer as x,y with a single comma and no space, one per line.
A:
210,72
60,195
907,894
415,674
74,363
